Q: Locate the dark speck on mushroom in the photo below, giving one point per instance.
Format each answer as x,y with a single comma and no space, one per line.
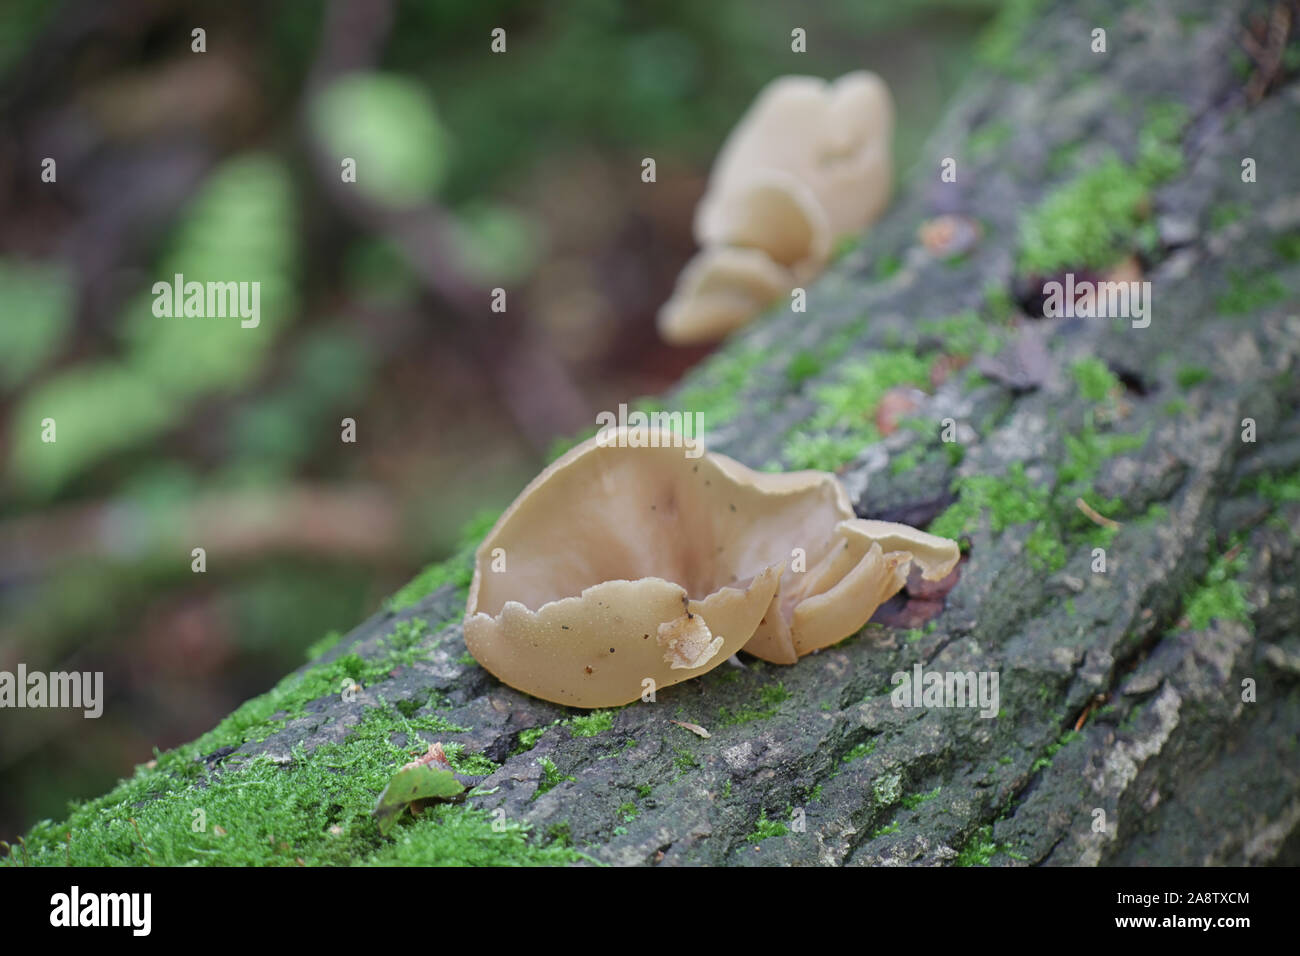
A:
611,650
587,669
564,627
732,507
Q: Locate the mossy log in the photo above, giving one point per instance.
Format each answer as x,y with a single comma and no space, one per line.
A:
1147,713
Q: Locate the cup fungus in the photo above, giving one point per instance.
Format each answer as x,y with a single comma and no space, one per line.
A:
626,563
807,164
719,290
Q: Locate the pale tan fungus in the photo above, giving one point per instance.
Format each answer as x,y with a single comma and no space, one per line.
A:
631,563
719,290
835,138
774,212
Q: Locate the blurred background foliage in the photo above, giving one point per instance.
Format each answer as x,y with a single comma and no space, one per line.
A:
474,170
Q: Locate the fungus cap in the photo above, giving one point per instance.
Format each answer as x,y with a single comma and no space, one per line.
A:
832,137
720,289
774,212
627,560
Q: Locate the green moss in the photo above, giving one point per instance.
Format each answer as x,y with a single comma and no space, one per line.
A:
1160,152
1288,246
1094,379
820,451
470,764
1275,488
964,334
859,751
914,800
887,267
591,724
1225,214
684,760
844,423
765,829
316,809
1087,223
804,365
551,777
1056,520
1008,500
1249,292
979,850
891,827
714,388
1190,376
528,738
905,461
1069,737
1220,595
257,718
560,834
770,699
988,139
999,305
446,836
1092,221
628,812
1002,45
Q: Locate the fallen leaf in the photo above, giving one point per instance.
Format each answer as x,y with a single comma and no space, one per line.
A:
428,778
693,728
894,405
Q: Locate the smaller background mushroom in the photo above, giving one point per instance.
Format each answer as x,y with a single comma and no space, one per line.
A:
807,164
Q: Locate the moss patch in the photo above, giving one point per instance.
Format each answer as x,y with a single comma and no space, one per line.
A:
1093,221
844,424
770,699
765,829
1014,499
1220,595
314,810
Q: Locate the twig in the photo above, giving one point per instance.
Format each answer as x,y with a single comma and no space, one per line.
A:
1094,516
141,838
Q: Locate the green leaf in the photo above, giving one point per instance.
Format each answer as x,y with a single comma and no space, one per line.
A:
390,126
421,782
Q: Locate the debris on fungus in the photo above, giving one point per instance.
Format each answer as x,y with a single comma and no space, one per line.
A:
627,565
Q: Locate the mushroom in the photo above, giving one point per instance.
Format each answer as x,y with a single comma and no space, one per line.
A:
720,289
630,565
777,213
808,163
834,138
